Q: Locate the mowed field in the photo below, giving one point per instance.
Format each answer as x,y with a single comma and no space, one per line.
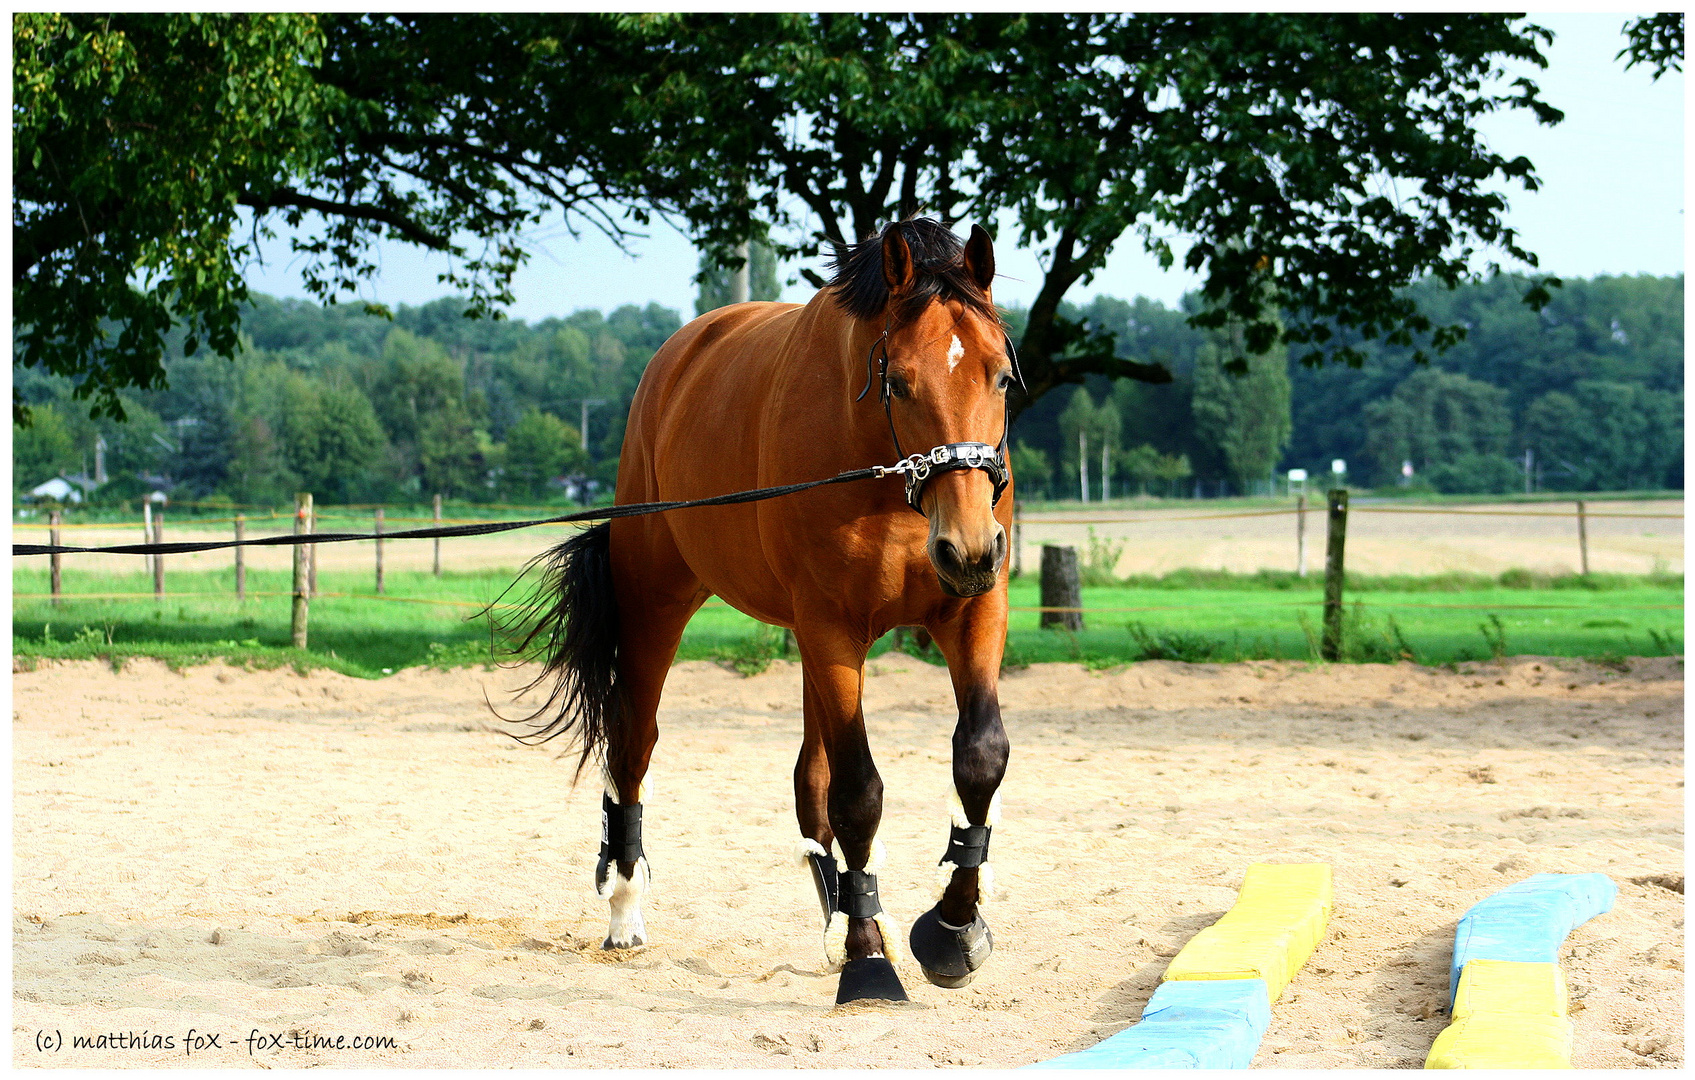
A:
1383,537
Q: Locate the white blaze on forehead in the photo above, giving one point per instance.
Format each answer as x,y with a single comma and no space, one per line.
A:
956,353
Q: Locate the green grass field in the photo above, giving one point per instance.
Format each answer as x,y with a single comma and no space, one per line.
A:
1188,615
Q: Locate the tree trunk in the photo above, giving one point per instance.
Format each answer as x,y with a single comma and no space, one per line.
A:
1061,588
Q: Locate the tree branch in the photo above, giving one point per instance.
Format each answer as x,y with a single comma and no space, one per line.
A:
358,211
61,229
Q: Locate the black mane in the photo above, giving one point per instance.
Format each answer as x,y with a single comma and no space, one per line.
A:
938,262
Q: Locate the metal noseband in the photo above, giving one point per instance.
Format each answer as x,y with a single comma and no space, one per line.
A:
919,468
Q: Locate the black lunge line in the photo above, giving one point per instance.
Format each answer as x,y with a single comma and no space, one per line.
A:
597,514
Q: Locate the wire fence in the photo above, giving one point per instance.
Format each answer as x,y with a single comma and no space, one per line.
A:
307,519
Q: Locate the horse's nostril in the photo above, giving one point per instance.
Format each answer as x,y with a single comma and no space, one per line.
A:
1000,549
946,555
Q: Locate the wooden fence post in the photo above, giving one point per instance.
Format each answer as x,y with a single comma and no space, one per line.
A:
53,520
1300,536
1582,536
437,540
147,531
311,549
1017,538
302,597
1061,588
240,559
159,560
379,532
1332,645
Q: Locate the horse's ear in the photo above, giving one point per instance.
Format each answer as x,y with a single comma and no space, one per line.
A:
897,260
980,257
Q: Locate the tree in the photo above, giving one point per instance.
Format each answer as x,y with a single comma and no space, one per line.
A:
329,438
141,140
1083,427
1172,468
1605,436
1655,40
256,472
1031,468
1241,405
1270,139
42,450
1141,463
1626,329
539,449
1455,430
414,382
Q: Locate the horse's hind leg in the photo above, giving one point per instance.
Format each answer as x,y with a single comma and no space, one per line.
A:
951,941
656,595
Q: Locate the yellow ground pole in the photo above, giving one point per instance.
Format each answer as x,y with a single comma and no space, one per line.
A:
1278,920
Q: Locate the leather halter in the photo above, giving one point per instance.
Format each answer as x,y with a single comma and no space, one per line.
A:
918,468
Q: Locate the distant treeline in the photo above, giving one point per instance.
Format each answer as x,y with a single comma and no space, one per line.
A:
1592,386
357,408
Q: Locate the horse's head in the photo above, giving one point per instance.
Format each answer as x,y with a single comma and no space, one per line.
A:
946,379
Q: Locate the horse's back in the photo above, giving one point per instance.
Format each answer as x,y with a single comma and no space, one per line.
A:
699,394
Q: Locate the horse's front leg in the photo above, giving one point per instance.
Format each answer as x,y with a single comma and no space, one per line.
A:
951,941
857,937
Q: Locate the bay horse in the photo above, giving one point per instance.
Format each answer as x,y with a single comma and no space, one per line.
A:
761,394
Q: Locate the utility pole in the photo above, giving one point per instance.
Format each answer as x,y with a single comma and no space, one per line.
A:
1529,475
739,276
584,429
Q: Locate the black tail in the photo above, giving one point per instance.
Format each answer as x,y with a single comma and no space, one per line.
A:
569,622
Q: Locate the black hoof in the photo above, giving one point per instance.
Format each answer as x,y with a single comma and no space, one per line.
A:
870,979
950,956
636,942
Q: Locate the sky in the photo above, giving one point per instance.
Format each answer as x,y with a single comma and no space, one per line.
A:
1611,202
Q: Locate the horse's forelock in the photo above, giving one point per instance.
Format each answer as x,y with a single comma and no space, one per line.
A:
939,273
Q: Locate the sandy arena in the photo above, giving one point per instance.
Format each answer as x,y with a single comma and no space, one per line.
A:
264,853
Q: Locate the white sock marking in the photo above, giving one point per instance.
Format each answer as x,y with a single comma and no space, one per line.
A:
626,928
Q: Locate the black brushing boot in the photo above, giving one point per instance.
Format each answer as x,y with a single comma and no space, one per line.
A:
620,842
824,880
872,978
950,955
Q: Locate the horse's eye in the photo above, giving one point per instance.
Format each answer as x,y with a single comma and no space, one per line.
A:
1004,381
897,386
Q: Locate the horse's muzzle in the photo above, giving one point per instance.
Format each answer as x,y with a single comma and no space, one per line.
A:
964,574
